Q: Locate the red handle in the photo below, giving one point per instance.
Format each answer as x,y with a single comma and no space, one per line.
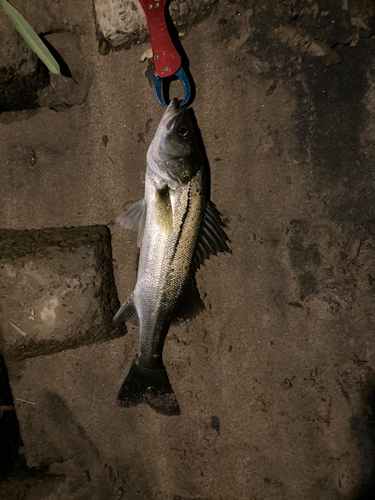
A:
166,59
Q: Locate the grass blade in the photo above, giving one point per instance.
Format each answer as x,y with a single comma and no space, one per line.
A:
30,37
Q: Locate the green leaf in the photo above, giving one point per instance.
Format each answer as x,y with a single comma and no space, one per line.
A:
30,37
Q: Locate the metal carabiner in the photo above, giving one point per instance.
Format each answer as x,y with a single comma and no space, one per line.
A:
182,76
166,59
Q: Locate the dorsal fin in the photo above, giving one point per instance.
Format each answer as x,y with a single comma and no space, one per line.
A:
212,238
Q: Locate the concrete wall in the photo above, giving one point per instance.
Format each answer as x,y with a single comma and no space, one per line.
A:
275,379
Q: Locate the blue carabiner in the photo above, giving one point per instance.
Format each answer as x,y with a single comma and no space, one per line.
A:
181,75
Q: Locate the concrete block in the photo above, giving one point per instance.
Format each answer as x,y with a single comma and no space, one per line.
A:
62,93
57,290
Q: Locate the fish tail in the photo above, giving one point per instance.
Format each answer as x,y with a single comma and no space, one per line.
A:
149,385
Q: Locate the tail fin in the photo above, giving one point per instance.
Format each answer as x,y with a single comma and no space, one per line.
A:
150,386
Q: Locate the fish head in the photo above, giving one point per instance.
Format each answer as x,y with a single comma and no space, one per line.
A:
174,152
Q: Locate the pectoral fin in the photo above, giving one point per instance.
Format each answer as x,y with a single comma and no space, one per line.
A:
134,218
127,312
163,209
212,238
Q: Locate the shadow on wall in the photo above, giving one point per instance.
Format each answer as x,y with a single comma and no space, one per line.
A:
15,475
9,431
363,425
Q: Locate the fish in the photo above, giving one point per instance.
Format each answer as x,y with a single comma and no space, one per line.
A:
178,228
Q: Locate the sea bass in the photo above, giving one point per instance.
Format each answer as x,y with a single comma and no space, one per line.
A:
178,228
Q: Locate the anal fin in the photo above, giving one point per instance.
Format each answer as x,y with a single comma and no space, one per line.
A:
190,303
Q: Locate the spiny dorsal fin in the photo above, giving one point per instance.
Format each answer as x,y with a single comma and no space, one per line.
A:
190,303
127,312
211,238
134,218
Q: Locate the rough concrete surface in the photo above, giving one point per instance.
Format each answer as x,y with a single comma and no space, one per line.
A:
57,290
275,380
123,23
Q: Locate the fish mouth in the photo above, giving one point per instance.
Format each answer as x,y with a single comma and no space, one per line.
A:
170,114
173,105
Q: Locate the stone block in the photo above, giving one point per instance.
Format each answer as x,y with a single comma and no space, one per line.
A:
57,290
63,93
123,23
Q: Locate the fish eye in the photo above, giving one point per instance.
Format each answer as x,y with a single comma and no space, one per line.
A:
182,131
